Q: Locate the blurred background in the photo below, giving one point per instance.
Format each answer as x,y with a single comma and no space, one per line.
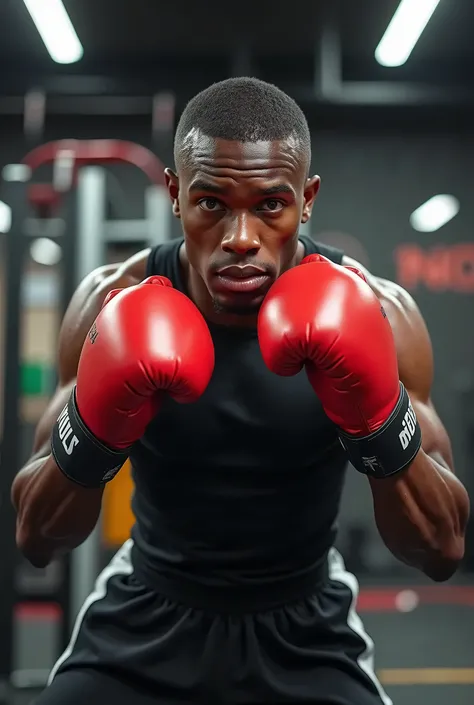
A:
90,93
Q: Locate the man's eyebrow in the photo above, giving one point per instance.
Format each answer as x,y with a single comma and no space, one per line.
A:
272,190
202,185
208,187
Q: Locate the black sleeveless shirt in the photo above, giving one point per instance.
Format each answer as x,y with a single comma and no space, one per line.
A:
243,486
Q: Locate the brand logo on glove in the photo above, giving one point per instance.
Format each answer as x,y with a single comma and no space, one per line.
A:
65,432
408,428
372,464
93,334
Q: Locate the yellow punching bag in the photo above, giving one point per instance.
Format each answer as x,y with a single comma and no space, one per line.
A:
117,515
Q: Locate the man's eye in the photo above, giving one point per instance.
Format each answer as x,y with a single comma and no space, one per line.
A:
210,204
273,205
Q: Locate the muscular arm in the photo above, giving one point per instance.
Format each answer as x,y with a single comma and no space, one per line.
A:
54,514
422,512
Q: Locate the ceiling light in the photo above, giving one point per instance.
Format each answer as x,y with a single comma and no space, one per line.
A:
404,30
5,217
16,172
45,251
56,30
435,213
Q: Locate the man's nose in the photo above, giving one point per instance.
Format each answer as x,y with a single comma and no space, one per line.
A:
241,238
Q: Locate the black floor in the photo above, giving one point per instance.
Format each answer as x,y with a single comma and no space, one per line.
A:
434,642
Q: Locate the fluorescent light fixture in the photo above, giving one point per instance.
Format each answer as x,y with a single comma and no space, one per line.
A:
56,30
5,217
45,251
404,30
16,172
435,213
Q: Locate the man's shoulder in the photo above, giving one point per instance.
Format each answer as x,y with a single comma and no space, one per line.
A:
132,270
87,302
412,339
385,289
135,267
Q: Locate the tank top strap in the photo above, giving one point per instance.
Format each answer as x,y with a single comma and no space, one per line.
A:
163,260
318,248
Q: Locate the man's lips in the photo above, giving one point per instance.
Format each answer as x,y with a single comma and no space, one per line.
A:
240,279
236,271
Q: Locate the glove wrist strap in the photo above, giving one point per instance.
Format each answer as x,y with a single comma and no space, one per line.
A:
79,454
390,449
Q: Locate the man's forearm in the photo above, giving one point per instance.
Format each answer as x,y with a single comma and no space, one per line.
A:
53,514
421,515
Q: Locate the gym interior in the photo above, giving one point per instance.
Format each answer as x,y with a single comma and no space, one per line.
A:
86,129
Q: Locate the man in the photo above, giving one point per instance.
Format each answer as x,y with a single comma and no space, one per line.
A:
229,590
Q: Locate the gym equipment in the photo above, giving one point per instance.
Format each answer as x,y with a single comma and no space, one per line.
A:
71,210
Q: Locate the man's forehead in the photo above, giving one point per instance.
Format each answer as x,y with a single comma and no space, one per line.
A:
201,150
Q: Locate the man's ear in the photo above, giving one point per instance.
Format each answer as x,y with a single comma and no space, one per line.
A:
310,192
172,184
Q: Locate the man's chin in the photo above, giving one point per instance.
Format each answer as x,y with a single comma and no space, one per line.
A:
240,303
237,306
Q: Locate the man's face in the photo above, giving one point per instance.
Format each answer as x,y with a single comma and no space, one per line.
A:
241,205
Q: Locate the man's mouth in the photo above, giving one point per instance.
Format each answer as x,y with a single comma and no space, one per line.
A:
243,279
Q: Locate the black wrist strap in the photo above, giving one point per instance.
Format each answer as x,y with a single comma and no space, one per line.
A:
79,454
390,449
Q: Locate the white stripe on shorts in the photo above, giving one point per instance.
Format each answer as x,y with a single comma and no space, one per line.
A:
119,565
338,572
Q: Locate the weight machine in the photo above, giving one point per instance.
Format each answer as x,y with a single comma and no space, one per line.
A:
72,211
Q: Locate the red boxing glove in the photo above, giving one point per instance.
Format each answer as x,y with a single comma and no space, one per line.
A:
325,317
148,340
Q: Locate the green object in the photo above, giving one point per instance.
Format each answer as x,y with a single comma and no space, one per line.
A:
36,379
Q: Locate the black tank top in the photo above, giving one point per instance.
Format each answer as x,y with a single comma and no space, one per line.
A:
243,486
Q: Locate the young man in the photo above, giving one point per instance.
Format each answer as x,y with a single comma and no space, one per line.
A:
230,590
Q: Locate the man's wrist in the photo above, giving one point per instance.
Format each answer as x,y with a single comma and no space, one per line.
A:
391,448
79,454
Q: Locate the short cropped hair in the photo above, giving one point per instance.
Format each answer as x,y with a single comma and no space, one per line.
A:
243,110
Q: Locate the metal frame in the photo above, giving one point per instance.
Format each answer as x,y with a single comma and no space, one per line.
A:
129,91
149,230
13,193
91,204
83,234
355,94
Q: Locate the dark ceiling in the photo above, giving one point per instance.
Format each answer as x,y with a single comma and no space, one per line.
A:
131,29
144,46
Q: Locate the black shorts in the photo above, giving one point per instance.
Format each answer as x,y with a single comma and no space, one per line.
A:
131,644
